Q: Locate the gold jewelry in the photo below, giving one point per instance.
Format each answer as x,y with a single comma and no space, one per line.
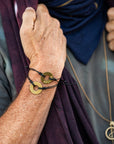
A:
32,88
36,87
44,76
109,133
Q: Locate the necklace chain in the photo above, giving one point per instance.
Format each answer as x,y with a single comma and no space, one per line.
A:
107,80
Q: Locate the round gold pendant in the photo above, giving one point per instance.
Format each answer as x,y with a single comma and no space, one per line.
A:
47,81
109,133
32,88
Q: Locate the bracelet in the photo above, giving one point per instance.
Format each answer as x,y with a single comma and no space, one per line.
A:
43,75
36,87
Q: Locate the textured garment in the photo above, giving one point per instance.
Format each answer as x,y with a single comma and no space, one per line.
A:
7,87
93,79
67,122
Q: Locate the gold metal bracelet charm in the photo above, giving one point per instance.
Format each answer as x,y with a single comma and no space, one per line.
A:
49,79
32,88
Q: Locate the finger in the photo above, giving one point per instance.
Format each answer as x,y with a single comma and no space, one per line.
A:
43,17
110,36
41,9
55,22
111,45
110,14
110,26
28,17
42,21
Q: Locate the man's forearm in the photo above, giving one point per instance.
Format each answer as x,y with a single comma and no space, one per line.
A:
45,46
25,118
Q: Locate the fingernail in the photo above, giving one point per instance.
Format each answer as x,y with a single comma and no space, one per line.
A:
29,8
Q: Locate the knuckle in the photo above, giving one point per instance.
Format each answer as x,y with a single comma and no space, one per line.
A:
111,45
110,36
61,31
56,22
64,38
110,12
108,27
45,15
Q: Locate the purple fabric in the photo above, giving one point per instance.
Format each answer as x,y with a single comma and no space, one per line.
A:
18,59
67,122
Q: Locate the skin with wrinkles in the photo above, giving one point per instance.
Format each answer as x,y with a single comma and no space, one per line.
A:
37,40
45,45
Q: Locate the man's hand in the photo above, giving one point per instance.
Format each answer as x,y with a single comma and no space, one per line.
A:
43,40
110,28
45,45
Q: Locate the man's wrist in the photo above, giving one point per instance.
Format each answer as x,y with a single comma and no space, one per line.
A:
36,74
44,67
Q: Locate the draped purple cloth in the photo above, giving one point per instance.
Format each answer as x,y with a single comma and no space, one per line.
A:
67,122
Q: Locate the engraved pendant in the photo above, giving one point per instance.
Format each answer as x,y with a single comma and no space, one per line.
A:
109,133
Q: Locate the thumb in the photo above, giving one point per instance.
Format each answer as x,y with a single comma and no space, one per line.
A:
28,17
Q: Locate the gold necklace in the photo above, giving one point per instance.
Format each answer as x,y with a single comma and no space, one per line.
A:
109,132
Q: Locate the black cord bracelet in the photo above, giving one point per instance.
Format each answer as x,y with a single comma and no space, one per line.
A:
44,74
41,74
39,87
35,84
50,79
53,79
43,88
